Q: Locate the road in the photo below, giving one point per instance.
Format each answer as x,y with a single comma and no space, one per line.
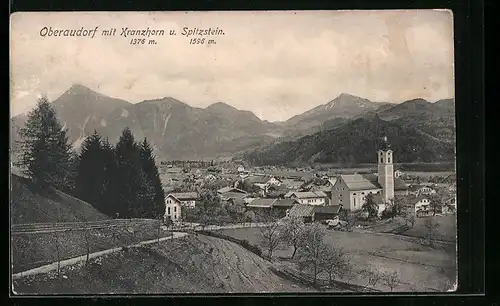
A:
197,227
53,266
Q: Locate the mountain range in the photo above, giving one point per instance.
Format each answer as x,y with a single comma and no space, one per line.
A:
179,131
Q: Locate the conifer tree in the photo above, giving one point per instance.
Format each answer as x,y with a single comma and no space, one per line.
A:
131,190
109,199
45,150
156,198
90,171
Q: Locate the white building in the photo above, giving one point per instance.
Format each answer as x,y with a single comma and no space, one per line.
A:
310,197
174,202
351,190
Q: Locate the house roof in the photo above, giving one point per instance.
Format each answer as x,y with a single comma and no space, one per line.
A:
332,181
285,202
331,209
301,210
264,203
184,196
234,195
259,179
231,189
399,184
361,181
307,194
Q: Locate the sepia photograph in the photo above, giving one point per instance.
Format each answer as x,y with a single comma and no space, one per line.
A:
232,152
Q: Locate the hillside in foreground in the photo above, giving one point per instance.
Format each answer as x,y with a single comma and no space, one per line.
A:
30,205
194,264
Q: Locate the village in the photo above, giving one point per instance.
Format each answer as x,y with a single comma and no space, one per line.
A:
308,193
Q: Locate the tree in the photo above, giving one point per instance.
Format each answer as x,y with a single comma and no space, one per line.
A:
312,249
132,189
156,195
370,206
291,232
410,220
45,150
373,276
334,262
270,233
110,204
391,279
432,233
398,204
435,203
90,171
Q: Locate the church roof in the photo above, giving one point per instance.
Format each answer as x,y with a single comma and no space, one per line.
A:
361,181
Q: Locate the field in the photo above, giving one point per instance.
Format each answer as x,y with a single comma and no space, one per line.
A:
31,250
194,264
447,227
420,268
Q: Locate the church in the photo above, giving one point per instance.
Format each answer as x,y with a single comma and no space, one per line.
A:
351,190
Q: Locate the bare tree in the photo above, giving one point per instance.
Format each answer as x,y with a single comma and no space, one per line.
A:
334,262
391,279
291,231
432,233
373,276
270,233
312,249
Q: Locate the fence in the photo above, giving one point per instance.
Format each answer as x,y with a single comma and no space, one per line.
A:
39,244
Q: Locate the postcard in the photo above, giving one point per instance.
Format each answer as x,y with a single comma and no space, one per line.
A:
232,152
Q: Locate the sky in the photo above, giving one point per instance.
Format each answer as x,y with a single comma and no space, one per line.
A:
275,64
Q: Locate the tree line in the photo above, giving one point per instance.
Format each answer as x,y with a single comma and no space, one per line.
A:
120,181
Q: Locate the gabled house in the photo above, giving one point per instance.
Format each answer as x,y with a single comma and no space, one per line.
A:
326,212
309,197
398,173
282,206
304,211
420,205
175,202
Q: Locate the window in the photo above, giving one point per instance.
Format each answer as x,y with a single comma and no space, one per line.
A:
381,160
354,194
362,193
389,160
175,208
168,211
354,202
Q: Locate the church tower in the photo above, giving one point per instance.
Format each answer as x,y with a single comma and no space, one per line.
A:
385,170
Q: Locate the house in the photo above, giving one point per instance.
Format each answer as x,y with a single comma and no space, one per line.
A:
421,206
282,206
210,178
186,199
304,211
350,190
241,169
418,189
326,212
261,205
174,202
308,197
398,173
225,190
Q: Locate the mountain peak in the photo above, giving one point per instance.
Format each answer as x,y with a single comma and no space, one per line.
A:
220,105
80,89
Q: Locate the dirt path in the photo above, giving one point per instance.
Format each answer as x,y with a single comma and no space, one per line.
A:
53,266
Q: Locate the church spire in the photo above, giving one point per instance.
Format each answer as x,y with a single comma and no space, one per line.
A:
385,145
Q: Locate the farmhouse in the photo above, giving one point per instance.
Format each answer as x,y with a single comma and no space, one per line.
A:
350,190
421,189
175,201
308,197
232,195
304,211
326,212
282,206
421,205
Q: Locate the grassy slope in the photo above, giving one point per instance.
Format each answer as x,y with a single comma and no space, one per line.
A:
28,205
421,268
194,264
37,249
